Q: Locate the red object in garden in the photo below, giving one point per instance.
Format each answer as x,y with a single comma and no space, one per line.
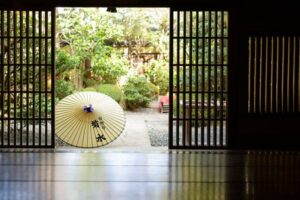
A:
163,104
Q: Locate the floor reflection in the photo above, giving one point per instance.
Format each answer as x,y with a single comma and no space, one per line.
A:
252,175
272,175
182,175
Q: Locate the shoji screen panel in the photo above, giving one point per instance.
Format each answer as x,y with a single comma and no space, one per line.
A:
198,73
27,78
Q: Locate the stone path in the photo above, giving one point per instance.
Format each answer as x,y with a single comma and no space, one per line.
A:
136,133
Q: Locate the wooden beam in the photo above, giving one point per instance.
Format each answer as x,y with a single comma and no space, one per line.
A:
217,4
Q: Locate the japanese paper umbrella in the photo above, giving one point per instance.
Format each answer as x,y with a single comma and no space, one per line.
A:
88,119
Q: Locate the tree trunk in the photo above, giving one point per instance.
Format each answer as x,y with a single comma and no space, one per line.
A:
87,71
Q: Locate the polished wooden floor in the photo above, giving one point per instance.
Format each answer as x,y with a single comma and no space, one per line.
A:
178,175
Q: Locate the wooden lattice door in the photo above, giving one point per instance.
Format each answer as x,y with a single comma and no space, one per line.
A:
27,78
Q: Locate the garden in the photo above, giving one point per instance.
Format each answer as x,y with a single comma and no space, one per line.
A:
123,55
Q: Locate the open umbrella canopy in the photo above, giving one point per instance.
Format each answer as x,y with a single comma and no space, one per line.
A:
88,119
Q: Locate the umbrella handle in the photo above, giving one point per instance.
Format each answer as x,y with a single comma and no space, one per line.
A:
88,109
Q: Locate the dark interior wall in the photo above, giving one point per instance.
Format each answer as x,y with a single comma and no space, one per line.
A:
253,14
263,130
119,3
260,16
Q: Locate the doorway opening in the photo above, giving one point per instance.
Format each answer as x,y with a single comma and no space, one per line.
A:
122,53
185,69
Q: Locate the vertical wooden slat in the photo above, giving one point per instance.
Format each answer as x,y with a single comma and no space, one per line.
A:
33,74
261,75
15,64
171,68
272,86
290,75
297,74
250,100
27,76
184,80
286,75
178,77
21,77
222,78
294,80
253,78
2,77
293,74
277,74
215,78
258,75
255,93
197,80
298,64
8,75
203,81
209,80
267,75
40,76
52,76
46,77
190,79
283,75
287,88
226,76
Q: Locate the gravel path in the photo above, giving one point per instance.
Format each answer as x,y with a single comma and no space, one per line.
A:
158,132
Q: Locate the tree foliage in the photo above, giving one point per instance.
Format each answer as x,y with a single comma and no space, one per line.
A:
157,72
92,42
144,28
84,32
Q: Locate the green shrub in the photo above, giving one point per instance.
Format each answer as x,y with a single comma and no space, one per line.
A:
137,92
111,90
89,83
109,69
153,89
89,89
157,72
63,88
